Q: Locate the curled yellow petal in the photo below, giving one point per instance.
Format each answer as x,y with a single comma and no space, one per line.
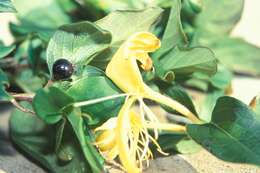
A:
146,61
106,139
123,68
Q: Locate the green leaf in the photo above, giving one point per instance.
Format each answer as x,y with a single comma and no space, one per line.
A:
92,88
40,18
90,71
5,50
120,24
107,6
80,73
37,140
35,50
191,8
197,83
21,31
171,60
173,34
173,142
59,133
209,103
41,15
67,5
91,154
49,104
3,78
233,133
21,50
179,94
222,79
219,81
185,62
78,42
4,96
217,18
237,54
29,86
87,71
7,6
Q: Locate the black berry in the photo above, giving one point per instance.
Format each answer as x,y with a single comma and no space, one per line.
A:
62,69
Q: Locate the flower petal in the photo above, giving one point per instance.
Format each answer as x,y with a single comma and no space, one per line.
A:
122,132
123,68
108,125
111,155
106,140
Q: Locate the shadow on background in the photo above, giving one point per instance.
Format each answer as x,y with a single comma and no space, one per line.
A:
6,147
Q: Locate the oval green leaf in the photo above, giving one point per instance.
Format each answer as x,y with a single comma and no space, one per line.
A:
233,133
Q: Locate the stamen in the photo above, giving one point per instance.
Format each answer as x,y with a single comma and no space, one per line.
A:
159,149
166,126
151,94
152,118
146,146
139,155
134,146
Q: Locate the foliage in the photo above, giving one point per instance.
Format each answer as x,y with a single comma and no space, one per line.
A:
226,135
196,52
6,6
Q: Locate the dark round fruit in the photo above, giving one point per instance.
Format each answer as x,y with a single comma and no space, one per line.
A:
62,69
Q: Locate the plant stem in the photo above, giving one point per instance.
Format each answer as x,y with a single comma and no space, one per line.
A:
94,101
23,97
21,108
10,62
48,84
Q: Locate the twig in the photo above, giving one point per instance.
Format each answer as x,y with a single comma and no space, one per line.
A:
48,84
23,97
9,62
21,108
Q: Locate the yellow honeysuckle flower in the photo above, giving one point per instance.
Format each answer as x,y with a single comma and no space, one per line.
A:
124,72
127,135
